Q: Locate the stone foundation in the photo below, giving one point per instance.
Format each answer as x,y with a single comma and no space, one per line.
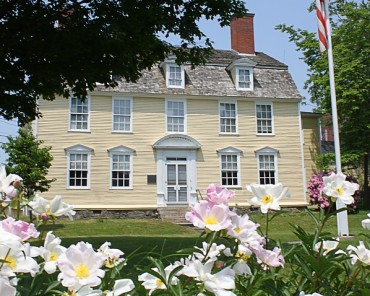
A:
116,214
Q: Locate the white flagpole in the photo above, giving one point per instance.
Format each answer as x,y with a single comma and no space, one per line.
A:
342,219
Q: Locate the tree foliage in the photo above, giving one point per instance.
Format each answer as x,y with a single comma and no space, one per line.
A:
64,47
27,159
350,22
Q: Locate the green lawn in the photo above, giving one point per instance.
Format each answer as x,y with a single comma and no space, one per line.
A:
139,238
148,234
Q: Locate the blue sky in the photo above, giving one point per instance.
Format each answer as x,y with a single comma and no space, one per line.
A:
268,14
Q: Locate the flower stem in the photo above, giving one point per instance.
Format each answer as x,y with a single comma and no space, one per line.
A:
267,230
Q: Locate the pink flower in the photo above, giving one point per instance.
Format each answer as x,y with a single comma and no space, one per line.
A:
269,258
11,191
205,214
218,195
19,228
245,230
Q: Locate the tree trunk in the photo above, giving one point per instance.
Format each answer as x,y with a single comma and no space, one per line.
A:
366,193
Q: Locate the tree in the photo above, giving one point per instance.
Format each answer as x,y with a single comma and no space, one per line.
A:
65,47
351,53
29,160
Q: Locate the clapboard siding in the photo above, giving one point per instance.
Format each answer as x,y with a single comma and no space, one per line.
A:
148,127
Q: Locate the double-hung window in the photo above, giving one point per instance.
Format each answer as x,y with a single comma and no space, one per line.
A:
78,167
228,118
265,120
121,167
79,114
244,79
176,116
267,165
122,119
175,76
230,166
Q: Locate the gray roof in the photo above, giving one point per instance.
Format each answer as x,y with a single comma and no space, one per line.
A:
271,79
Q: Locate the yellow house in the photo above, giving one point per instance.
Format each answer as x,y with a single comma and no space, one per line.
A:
156,143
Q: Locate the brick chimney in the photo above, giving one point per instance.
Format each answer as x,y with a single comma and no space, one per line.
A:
242,34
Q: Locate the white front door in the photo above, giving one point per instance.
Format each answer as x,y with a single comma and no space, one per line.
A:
176,180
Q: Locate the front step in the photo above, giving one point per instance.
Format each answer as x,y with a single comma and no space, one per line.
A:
174,214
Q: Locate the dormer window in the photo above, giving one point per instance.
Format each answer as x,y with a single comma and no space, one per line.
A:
244,79
242,73
175,76
174,73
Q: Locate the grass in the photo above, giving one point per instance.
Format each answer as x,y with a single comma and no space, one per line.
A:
149,234
139,238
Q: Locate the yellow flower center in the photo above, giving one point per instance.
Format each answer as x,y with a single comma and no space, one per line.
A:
210,220
48,211
158,282
339,190
267,199
237,229
82,271
53,256
242,255
10,261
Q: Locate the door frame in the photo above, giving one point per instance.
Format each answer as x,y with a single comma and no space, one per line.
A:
176,145
177,162
191,177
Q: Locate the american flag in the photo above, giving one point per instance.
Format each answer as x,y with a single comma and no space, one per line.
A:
321,19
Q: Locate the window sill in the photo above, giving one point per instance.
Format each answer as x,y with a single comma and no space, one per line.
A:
121,188
229,134
122,132
80,131
78,188
265,135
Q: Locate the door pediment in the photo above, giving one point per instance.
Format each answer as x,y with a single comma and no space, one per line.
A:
176,141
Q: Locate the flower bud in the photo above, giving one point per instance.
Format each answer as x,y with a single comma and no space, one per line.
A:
17,184
11,191
44,216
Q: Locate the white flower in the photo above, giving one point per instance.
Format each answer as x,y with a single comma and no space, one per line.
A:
314,294
55,208
5,287
209,252
360,253
6,184
245,230
112,256
366,223
15,260
267,196
121,286
85,291
242,255
336,187
152,283
326,246
5,180
51,252
217,283
80,266
220,282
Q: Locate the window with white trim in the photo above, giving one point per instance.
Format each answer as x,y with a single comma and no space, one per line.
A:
228,117
121,109
79,114
267,165
264,117
230,166
175,116
244,79
78,167
175,76
121,167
